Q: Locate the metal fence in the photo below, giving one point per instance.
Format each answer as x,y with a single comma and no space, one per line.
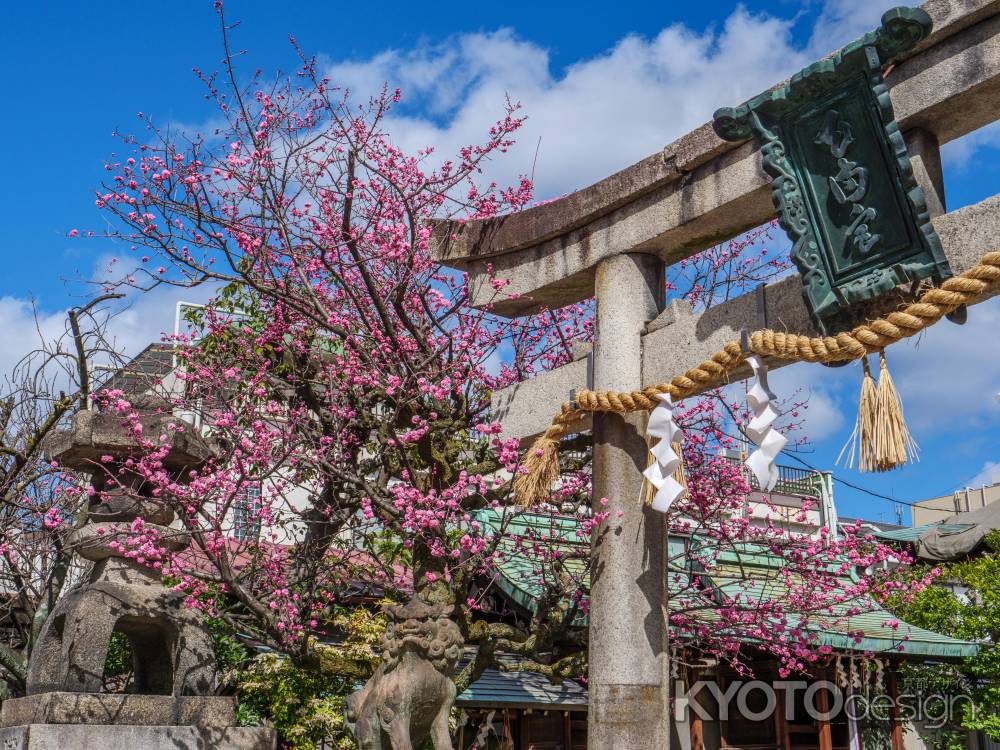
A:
792,480
985,743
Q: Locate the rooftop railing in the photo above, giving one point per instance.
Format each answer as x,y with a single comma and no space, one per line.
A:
792,480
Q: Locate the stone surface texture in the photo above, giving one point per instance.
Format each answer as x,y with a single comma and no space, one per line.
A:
948,88
214,712
627,651
925,158
410,696
173,658
92,737
172,652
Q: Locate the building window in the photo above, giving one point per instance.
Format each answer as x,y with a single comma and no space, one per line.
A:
246,513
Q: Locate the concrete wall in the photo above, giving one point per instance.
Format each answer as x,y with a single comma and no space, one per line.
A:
937,509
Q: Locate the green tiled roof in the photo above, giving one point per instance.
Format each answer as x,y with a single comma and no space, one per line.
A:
519,580
913,533
873,628
522,690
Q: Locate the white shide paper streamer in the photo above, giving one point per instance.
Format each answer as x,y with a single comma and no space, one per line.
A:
761,430
661,472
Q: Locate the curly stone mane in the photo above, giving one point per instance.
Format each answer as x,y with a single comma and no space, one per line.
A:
426,630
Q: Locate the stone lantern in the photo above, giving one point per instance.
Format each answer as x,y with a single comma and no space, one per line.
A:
172,703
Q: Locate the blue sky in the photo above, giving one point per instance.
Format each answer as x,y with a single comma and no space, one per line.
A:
603,84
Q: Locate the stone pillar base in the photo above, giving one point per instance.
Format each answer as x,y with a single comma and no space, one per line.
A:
209,711
85,721
90,736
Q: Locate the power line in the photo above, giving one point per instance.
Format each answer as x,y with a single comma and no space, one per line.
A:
857,487
836,478
878,495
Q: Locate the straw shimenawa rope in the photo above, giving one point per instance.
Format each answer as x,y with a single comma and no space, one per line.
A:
541,464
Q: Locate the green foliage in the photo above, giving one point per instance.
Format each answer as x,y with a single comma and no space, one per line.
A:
966,604
876,733
304,700
302,703
118,664
230,654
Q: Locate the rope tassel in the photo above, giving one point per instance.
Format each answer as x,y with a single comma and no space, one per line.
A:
893,443
881,440
541,469
541,466
860,445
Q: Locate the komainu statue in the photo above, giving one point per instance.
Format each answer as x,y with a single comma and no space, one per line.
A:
411,693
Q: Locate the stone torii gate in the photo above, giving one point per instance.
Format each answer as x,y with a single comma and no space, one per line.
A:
612,241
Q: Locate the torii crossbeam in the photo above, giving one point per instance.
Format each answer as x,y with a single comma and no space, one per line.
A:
612,241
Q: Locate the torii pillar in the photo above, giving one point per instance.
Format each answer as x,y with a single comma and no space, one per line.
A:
670,205
628,677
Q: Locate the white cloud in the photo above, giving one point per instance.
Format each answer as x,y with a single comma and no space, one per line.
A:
820,389
601,114
592,119
23,330
150,315
809,397
958,154
948,377
138,321
990,474
843,21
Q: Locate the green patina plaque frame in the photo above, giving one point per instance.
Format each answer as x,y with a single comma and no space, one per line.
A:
842,182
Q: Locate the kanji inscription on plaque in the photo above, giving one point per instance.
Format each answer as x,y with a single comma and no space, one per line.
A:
843,186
